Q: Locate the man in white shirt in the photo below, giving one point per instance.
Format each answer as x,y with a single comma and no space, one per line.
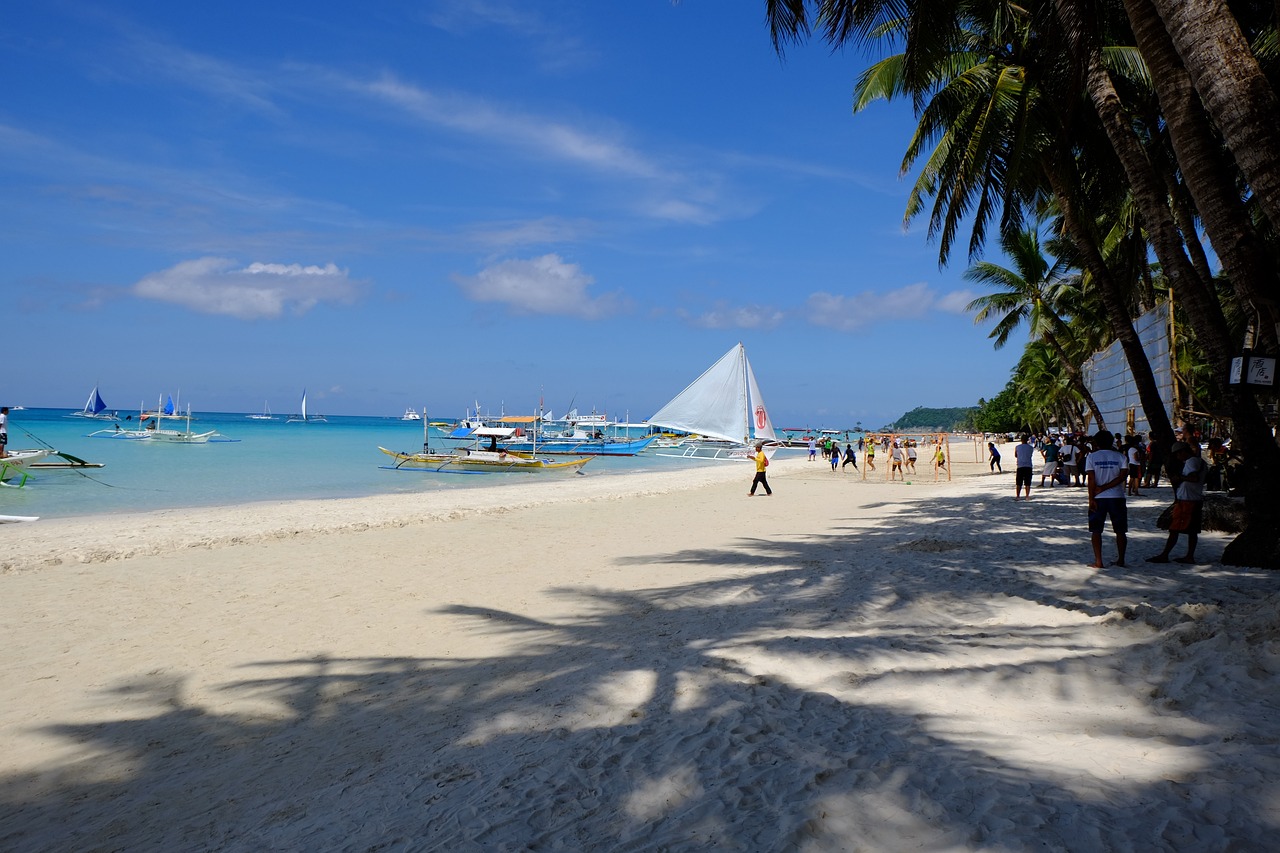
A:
1024,453
1105,472
1188,502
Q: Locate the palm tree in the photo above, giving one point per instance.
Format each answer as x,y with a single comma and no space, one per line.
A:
1027,294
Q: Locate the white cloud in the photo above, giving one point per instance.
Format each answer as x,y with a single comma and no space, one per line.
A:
728,316
850,313
221,286
956,302
537,134
543,285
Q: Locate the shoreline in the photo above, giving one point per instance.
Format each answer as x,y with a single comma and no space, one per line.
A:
52,542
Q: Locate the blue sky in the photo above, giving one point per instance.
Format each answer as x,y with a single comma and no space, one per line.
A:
433,203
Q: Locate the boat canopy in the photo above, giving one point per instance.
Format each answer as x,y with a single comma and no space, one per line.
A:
482,432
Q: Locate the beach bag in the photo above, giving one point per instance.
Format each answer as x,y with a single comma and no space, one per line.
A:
1180,520
1062,476
766,462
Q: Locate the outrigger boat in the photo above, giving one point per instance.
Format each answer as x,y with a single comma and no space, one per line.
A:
14,465
723,409
94,408
476,459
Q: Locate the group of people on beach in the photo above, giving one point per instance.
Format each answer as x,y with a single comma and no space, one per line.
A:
903,454
1113,468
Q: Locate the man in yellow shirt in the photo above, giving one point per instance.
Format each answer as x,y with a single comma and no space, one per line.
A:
762,462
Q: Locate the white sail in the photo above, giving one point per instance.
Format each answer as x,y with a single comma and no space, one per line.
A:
723,403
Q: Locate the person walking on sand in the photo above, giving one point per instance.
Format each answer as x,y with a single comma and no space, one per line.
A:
995,457
1024,457
1105,471
849,457
762,462
1188,503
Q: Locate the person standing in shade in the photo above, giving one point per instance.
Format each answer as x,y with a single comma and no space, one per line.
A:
1068,458
1050,469
1188,503
1024,455
762,462
1105,471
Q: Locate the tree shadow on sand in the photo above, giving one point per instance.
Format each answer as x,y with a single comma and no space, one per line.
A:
747,712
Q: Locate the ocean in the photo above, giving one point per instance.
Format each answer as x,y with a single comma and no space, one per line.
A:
263,461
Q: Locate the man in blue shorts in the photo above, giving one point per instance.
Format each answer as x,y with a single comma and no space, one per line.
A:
1105,471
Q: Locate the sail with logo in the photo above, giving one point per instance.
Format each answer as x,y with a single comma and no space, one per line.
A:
722,412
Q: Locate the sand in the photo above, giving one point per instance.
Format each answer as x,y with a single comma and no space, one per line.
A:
648,662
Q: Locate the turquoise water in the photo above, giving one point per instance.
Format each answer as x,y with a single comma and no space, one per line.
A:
270,461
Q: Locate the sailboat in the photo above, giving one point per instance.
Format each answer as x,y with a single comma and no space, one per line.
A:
265,416
723,409
303,417
94,408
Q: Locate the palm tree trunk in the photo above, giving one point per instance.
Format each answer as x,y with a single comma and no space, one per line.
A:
1113,299
1208,178
1233,88
1244,259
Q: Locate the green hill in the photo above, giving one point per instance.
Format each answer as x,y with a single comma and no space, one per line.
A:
922,419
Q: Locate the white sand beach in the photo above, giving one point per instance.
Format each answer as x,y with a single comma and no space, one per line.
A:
653,662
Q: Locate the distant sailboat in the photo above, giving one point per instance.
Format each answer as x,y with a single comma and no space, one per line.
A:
94,408
303,417
265,416
722,408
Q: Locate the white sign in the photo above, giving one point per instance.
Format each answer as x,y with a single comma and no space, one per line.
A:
1262,371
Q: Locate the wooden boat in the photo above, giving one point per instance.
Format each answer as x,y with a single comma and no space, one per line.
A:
13,467
475,459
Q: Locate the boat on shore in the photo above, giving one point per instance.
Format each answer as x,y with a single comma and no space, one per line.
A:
724,409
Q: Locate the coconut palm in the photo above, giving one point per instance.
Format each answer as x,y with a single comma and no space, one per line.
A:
1028,295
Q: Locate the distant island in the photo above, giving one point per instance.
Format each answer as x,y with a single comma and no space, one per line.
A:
922,419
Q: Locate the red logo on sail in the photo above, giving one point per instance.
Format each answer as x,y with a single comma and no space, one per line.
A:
761,417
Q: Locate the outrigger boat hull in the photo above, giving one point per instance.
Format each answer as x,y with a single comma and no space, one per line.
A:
469,461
